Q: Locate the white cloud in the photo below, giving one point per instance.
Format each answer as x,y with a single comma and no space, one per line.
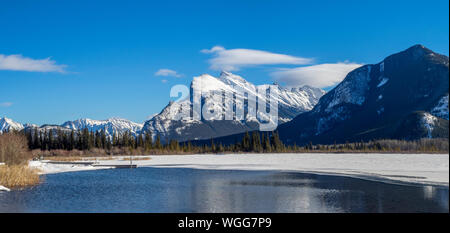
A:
6,104
234,59
164,81
168,73
19,63
323,75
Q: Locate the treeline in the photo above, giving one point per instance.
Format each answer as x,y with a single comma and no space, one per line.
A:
254,142
87,140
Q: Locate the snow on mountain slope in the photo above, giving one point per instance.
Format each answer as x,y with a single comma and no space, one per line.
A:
290,104
380,101
110,126
352,90
441,109
428,122
7,125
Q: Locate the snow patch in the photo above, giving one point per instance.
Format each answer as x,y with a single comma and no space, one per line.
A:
428,122
353,89
111,126
325,123
7,124
441,109
290,103
49,168
382,82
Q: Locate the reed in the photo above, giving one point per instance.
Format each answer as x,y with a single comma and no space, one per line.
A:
14,176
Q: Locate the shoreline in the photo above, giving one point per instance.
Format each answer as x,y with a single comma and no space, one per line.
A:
423,169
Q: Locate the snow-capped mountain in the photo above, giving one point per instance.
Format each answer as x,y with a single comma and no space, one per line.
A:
290,104
7,125
404,96
111,126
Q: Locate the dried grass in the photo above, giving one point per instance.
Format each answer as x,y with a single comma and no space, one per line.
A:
14,149
136,158
14,176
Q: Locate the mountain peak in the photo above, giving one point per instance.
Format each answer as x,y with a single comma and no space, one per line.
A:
111,126
7,124
416,51
231,79
418,46
225,73
290,104
373,101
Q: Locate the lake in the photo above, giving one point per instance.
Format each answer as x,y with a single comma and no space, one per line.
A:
186,190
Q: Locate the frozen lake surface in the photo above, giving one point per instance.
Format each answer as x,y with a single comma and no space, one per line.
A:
414,168
150,189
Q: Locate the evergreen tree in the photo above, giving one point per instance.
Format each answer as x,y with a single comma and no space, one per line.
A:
37,140
213,145
189,146
140,141
256,142
148,141
158,142
71,141
267,146
276,143
246,142
103,139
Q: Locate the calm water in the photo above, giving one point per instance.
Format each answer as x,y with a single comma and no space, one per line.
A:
192,190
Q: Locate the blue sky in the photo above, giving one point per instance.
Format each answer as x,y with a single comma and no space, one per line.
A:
64,60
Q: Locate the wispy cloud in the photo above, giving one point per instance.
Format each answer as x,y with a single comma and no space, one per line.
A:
323,75
168,73
235,59
19,63
6,104
164,80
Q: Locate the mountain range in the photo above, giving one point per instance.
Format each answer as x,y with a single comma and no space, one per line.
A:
110,126
404,96
291,103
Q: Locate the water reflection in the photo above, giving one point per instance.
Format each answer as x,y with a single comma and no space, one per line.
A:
191,190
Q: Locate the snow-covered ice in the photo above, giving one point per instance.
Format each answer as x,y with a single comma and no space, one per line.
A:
411,168
48,168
